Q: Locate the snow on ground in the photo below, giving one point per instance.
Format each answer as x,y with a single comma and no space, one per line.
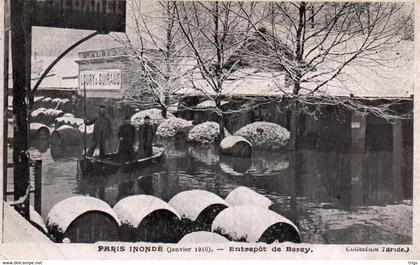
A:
203,237
155,117
265,135
133,209
247,222
170,127
191,203
65,212
244,196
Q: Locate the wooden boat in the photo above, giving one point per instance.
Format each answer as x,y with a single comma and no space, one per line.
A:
110,164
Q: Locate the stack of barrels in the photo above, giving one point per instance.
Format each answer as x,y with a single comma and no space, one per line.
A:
194,216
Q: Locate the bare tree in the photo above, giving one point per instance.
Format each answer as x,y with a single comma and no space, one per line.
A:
153,43
213,32
324,40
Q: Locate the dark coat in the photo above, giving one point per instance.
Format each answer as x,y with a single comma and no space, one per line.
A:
127,135
102,129
146,135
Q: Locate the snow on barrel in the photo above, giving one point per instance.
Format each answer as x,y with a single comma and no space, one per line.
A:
202,237
244,196
39,115
146,218
197,209
39,131
64,105
83,219
235,146
66,135
255,224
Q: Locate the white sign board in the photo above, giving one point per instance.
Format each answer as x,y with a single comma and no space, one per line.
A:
100,79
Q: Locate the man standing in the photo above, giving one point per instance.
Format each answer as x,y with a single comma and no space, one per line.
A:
102,130
127,136
146,135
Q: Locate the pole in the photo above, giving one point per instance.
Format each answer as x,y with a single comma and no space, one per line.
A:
21,63
44,74
38,186
5,92
84,118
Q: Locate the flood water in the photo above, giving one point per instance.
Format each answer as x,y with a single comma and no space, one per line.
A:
334,198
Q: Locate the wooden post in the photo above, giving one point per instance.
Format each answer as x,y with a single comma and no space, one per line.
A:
5,91
38,185
21,63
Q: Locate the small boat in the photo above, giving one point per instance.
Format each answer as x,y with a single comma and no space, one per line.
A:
110,164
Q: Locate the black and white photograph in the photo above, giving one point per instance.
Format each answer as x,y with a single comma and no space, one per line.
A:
225,124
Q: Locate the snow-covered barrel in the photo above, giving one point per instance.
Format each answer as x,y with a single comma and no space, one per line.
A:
38,102
204,133
255,224
202,237
66,119
39,115
66,135
146,218
244,196
39,131
83,219
64,105
235,146
55,102
197,209
47,102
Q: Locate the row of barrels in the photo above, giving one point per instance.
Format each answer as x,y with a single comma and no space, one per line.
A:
194,216
63,104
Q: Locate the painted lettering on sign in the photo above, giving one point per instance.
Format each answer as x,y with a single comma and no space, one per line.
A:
100,79
102,15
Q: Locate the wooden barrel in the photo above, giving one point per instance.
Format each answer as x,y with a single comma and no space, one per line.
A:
55,102
82,219
244,196
203,237
64,105
66,135
47,102
39,131
255,224
39,115
146,218
197,209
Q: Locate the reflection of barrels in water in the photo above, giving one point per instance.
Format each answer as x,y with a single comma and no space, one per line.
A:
197,208
83,219
147,218
255,224
66,135
235,165
66,151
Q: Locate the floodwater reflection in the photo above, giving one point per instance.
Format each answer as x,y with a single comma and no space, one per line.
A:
333,197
